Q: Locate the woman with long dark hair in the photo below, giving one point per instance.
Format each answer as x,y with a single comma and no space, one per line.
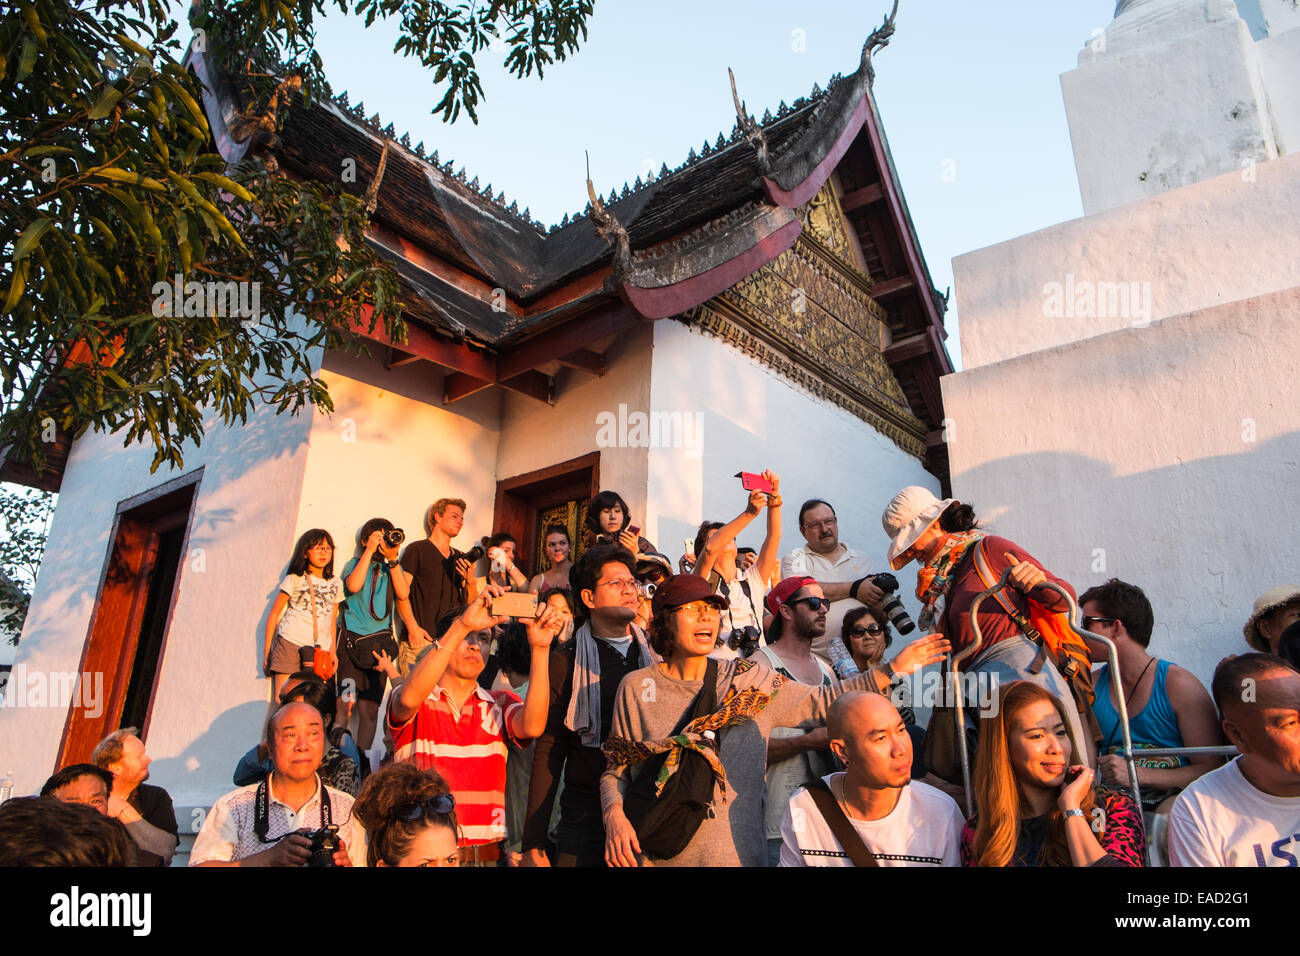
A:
302,617
559,552
1036,806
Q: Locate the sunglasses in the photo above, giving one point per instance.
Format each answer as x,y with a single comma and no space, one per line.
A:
815,603
439,805
872,629
1088,622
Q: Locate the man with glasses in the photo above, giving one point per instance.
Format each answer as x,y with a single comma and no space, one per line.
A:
441,719
836,567
584,677
795,756
263,824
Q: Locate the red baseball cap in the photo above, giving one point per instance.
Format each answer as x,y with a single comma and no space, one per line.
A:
683,589
783,591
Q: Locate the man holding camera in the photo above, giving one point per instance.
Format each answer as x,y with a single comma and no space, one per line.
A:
441,577
290,818
843,573
441,719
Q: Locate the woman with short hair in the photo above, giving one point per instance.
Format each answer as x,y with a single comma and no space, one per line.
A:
410,818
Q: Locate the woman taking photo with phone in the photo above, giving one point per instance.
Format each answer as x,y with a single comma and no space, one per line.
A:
608,521
1036,806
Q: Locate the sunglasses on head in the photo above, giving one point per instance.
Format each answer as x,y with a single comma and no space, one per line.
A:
815,603
438,805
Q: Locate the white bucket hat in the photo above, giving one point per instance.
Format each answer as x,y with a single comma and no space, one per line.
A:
1266,604
907,516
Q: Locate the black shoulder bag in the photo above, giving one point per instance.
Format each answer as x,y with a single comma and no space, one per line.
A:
667,823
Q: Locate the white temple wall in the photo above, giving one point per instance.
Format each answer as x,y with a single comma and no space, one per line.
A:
1218,241
754,419
210,689
1166,456
535,436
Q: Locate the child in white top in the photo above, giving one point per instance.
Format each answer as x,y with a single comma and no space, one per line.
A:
304,611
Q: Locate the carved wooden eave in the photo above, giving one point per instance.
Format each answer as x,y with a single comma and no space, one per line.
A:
675,276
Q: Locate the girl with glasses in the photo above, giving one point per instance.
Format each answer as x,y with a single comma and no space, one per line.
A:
302,617
410,818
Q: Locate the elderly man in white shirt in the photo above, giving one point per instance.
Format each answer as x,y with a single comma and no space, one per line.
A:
259,825
834,565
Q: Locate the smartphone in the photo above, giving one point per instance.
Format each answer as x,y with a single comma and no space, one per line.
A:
634,529
688,546
752,482
515,604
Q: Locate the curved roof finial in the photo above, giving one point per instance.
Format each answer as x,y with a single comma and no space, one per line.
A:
610,229
879,39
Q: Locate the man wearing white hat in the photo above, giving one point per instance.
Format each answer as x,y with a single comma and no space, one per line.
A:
1275,610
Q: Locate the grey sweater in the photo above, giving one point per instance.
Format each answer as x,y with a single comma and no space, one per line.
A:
649,706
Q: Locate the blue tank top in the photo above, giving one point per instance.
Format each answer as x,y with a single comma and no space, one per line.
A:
1155,726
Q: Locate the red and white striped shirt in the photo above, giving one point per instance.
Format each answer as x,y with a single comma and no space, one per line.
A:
468,748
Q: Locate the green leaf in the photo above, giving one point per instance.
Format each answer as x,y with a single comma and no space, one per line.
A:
31,235
27,60
107,100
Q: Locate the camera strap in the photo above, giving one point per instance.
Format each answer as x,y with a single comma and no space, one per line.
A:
376,570
262,815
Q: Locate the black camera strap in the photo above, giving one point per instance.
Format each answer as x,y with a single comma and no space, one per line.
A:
378,568
262,814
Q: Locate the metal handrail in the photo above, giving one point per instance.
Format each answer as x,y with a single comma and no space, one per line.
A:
959,709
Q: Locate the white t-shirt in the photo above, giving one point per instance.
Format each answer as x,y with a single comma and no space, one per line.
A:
296,622
1221,819
845,567
741,614
923,829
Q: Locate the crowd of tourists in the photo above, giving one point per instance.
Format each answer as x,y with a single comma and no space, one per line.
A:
617,707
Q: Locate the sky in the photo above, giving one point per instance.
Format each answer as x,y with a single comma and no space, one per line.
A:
969,94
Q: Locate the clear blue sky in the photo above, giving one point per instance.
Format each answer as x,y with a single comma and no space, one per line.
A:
975,83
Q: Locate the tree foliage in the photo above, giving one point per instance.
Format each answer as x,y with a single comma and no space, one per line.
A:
26,520
112,192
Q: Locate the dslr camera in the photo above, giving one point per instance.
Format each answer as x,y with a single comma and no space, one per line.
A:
324,844
394,536
890,603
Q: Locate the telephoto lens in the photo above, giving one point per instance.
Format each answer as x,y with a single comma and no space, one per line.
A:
475,553
891,605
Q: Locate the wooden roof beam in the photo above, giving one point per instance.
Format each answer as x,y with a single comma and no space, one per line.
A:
422,343
862,197
458,385
396,358
585,360
895,285
533,384
562,340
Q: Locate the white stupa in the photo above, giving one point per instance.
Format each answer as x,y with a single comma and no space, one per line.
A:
1177,91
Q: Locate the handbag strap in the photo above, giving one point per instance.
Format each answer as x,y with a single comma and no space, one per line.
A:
854,848
311,599
989,579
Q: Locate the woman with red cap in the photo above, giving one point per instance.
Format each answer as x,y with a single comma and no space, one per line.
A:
942,537
654,705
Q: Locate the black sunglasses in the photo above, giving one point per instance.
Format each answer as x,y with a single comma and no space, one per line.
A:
816,603
438,805
1088,622
872,629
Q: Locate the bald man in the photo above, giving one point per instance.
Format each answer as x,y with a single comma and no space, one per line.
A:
901,821
1247,813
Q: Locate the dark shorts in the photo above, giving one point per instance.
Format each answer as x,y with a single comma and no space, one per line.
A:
285,657
580,839
368,684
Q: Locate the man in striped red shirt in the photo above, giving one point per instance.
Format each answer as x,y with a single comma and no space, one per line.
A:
441,719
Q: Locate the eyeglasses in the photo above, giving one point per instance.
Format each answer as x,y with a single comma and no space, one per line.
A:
872,629
700,607
623,584
818,525
438,805
815,603
321,547
1088,622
